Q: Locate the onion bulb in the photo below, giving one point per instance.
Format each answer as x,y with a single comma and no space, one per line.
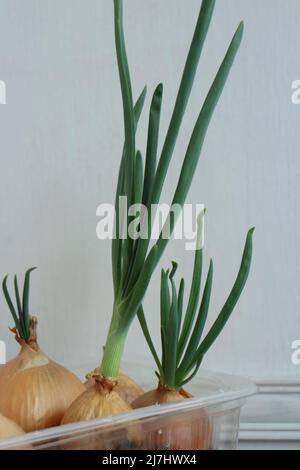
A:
126,387
187,430
35,391
8,428
98,401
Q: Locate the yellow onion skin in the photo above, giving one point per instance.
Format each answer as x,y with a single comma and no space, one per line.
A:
185,430
9,428
6,370
98,401
35,391
126,387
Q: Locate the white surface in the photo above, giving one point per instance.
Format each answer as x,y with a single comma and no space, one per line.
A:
61,138
271,419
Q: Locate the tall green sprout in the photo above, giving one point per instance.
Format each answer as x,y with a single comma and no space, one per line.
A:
182,346
134,261
20,311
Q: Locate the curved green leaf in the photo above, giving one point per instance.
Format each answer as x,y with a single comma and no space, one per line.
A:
232,298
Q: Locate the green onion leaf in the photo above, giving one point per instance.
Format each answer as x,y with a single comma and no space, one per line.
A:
138,178
19,305
150,167
11,307
180,384
25,305
144,326
180,303
132,304
125,82
184,91
138,107
196,142
188,361
129,122
232,298
192,304
165,299
165,305
171,339
117,242
152,144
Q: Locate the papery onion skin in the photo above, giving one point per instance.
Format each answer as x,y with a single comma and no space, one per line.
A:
187,430
98,401
125,386
95,404
36,391
9,428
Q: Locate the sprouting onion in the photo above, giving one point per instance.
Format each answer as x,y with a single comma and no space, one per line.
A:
182,346
134,261
35,391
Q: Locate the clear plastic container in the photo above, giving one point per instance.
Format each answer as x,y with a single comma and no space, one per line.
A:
209,421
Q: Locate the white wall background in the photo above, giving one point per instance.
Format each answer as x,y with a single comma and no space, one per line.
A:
61,135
